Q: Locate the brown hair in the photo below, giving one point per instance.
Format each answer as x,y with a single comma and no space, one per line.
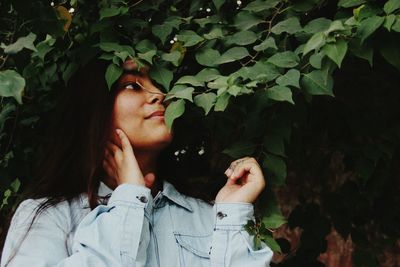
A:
80,127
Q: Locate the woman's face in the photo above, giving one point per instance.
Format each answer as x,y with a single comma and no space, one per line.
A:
133,108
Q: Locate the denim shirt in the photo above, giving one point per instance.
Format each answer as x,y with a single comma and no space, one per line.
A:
134,229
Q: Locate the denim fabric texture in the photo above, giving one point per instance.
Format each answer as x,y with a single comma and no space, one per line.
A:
134,229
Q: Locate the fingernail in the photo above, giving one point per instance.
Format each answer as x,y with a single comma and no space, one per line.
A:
228,172
118,131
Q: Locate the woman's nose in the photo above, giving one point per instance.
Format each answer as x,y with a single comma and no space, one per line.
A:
156,96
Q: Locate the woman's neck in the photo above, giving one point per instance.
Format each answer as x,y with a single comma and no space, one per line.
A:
148,165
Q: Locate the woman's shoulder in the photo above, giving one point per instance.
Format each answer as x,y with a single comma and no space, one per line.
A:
40,211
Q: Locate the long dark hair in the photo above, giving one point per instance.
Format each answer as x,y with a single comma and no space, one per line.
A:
73,156
71,161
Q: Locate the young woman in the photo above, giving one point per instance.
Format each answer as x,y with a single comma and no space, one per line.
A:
102,201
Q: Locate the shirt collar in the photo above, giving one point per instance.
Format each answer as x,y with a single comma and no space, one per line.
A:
168,190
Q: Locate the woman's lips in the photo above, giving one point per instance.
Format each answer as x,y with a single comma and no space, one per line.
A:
157,114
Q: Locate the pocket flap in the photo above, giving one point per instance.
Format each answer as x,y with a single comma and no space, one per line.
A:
197,244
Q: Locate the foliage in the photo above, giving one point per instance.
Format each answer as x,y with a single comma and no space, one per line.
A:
246,69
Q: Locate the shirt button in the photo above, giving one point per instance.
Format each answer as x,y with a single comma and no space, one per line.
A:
221,215
142,199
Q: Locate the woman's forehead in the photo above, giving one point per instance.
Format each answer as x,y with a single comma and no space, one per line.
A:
131,65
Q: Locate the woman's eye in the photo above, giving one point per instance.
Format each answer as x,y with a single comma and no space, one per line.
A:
134,86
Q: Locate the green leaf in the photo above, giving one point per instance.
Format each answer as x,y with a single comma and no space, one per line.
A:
317,82
162,76
336,25
206,75
218,3
107,12
274,144
267,43
21,43
111,47
240,149
280,93
181,91
207,20
277,167
245,20
350,3
396,25
272,244
232,54
174,110
290,25
162,31
274,221
317,25
44,47
222,102
336,51
207,57
205,101
145,45
172,57
192,80
263,71
215,33
389,20
5,113
113,72
315,42
364,51
148,56
291,78
390,51
287,59
189,38
242,38
122,55
316,60
12,84
234,89
369,26
220,82
391,6
261,5
15,185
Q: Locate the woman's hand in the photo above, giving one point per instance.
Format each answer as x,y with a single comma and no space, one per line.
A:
121,165
245,182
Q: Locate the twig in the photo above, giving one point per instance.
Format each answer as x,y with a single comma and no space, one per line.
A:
136,3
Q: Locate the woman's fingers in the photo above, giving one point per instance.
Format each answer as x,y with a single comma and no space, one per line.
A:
126,145
248,167
112,148
109,158
108,168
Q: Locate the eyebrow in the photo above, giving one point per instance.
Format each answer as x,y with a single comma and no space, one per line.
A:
133,72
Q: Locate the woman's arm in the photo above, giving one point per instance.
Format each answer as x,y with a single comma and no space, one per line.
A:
116,234
232,245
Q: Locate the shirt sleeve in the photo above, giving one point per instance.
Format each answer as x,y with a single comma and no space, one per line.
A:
116,234
231,244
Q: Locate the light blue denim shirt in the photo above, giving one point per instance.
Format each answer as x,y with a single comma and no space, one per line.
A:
134,229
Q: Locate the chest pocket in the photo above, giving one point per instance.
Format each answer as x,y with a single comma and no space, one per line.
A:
194,249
